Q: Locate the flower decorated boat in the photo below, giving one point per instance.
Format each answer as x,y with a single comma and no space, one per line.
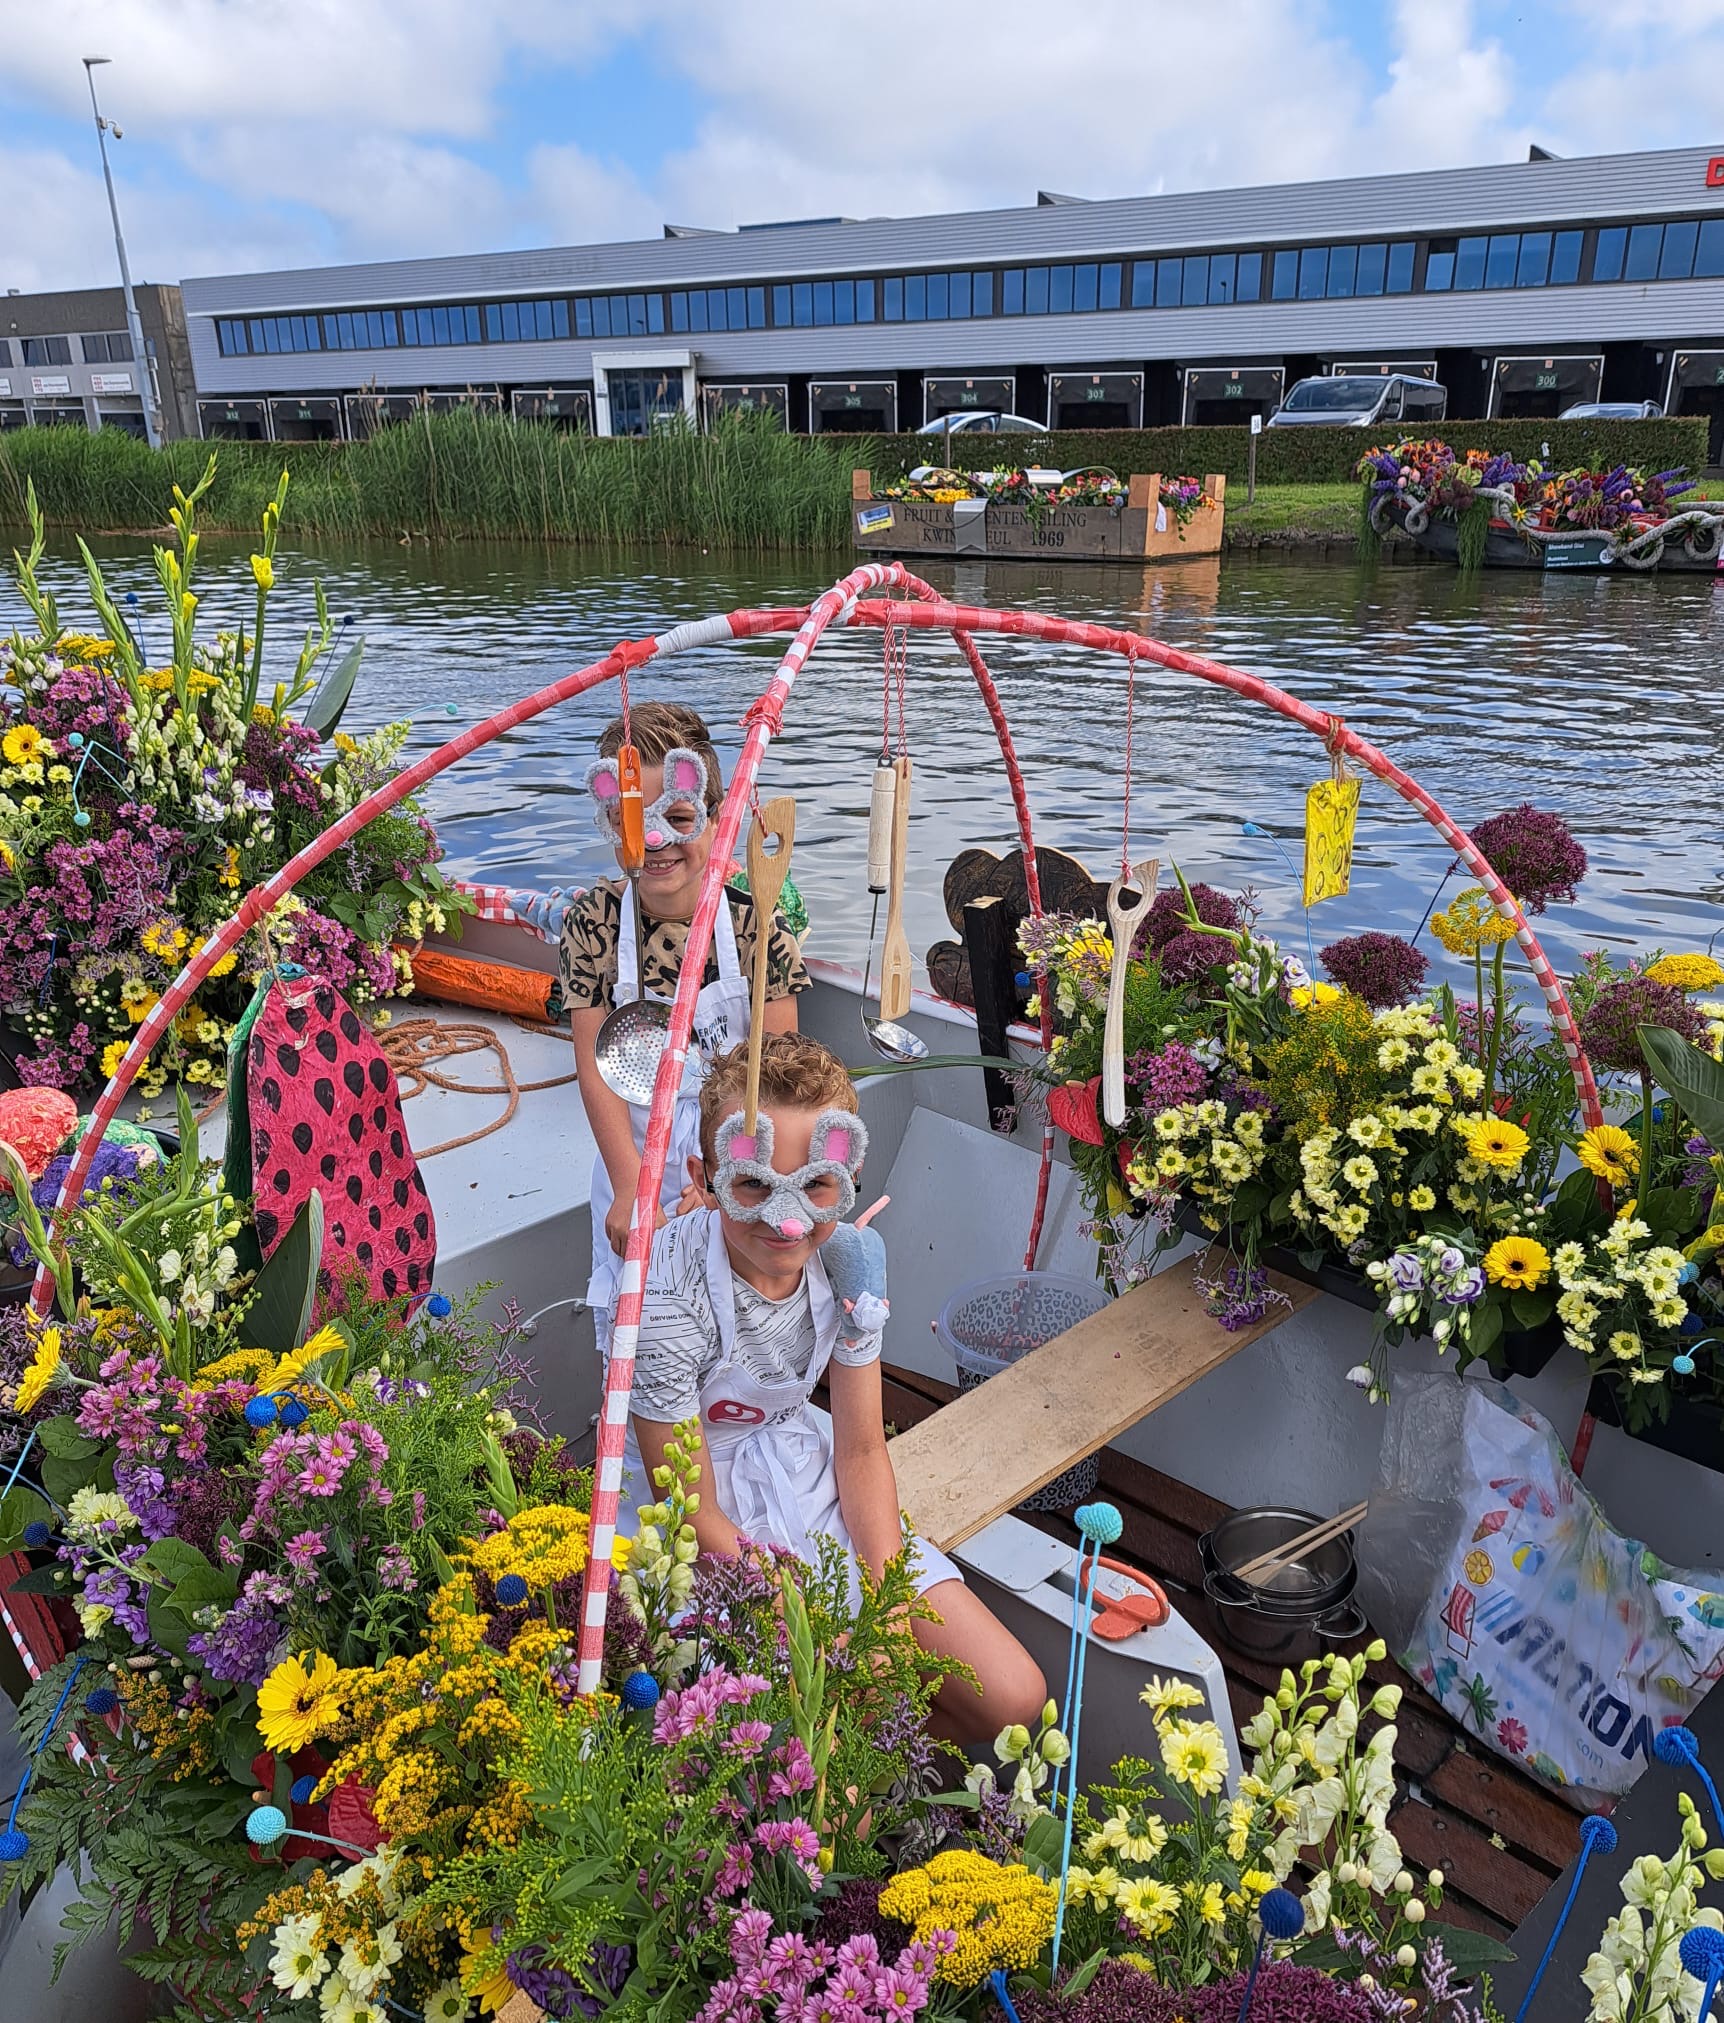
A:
1489,511
1077,516
348,1702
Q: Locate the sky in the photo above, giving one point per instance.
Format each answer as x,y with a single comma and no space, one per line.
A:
283,133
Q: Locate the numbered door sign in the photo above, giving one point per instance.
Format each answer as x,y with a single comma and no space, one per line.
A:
1331,813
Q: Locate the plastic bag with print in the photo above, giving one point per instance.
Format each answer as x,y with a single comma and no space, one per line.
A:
1500,1585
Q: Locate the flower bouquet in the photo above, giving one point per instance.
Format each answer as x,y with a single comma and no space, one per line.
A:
139,801
1184,499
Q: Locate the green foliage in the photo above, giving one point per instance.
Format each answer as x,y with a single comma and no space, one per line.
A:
1472,532
1693,1078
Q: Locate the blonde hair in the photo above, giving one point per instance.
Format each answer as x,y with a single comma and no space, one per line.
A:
796,1073
658,728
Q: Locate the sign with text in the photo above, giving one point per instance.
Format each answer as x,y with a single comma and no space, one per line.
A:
50,382
110,382
1576,551
1331,814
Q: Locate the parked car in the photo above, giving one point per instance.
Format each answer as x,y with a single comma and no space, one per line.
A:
977,421
1361,400
1612,410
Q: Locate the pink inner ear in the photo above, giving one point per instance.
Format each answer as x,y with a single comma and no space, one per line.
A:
688,776
606,786
742,1148
838,1144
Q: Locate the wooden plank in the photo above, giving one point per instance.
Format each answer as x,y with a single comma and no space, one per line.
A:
1011,1436
1493,1877
1503,1802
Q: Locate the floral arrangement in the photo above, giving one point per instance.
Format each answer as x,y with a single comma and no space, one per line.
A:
138,803
938,487
1420,1141
1184,499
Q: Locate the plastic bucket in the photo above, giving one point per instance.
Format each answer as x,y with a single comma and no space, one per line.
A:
987,1326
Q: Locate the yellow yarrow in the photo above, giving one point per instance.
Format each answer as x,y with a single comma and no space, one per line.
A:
1471,923
544,1545
1002,1917
1687,972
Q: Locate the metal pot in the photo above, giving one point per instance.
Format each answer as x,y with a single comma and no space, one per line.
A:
1302,1607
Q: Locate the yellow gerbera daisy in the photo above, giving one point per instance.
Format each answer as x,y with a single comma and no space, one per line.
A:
112,1055
24,745
1518,1263
297,1701
1687,972
1610,1152
39,1373
1498,1143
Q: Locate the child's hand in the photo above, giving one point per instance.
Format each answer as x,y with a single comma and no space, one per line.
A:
617,1223
690,1199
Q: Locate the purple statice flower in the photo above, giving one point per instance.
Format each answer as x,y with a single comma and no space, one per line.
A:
278,766
1381,968
1168,1075
1609,1027
109,1588
1240,1297
1534,853
143,1488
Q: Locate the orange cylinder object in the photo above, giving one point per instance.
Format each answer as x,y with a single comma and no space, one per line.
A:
633,807
487,986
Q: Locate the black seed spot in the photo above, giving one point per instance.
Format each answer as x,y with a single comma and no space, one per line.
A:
397,1145
422,1225
270,1090
327,1045
356,1127
380,1116
389,1283
324,1090
268,1224
287,1059
401,1191
281,1180
355,1187
350,1027
302,1137
362,1251
375,1162
354,1076
374,1215
298,1018
403,1242
379,1073
326,1166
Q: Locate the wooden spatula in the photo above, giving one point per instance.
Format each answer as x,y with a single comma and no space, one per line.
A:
767,872
895,967
1122,923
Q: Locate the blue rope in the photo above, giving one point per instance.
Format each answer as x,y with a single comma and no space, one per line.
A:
1066,1703
1081,1632
23,1456
997,1981
1251,1978
1595,1832
47,1737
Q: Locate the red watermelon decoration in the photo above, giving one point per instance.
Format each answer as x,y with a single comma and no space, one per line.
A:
1072,1106
325,1114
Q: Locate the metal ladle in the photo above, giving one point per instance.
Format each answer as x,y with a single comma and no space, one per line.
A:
890,1039
631,1042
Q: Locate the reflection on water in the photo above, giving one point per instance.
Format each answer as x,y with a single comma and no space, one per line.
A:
1597,696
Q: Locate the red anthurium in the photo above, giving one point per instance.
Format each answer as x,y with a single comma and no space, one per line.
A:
1073,1109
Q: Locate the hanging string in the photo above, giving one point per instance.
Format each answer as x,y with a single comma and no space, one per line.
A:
623,687
1130,711
888,648
1335,744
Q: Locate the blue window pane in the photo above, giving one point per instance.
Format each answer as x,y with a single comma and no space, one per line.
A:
1368,278
560,317
1440,267
1676,262
1470,263
1221,277
467,322
583,316
1313,273
1143,284
1286,276
331,333
822,304
893,291
1501,258
655,314
638,325
717,310
1643,246
542,317
757,309
1533,269
271,335
1400,267
697,309
1709,257
1036,291
679,311
1110,275
958,295
844,302
1249,286
915,298
410,327
781,305
1565,257
1012,292
1343,264
1085,282
285,325
939,298
1059,289
439,325
1607,253
1168,275
736,303
864,302
802,304
494,321
517,322
602,317
385,317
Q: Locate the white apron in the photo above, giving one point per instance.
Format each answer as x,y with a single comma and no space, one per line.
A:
721,1019
769,1451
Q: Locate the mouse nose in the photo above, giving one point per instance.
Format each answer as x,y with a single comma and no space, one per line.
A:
792,1228
655,839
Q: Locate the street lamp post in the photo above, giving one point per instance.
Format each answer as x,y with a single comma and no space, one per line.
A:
146,378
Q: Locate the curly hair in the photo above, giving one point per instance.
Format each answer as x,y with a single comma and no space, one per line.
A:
658,728
796,1073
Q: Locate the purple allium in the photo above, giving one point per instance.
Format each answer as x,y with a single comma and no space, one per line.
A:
1381,968
1534,853
1192,957
1284,1994
1609,1025
1119,1993
1164,1076
1166,918
855,1910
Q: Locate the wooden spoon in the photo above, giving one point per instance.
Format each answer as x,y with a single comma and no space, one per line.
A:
1122,923
895,963
767,871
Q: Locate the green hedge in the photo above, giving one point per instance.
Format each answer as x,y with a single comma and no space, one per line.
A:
1303,456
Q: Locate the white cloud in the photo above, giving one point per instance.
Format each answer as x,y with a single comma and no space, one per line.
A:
1449,97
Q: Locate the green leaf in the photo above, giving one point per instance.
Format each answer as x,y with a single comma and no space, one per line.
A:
1576,1209
61,1437
280,1314
1469,1952
1044,1843
40,1580
203,1588
63,1479
1693,1079
1487,1328
1672,1214
171,1560
1073,1988
1532,1309
167,1626
324,711
19,1507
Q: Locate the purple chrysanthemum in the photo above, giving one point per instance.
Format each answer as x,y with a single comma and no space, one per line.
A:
1609,1027
1534,853
1381,968
1164,1076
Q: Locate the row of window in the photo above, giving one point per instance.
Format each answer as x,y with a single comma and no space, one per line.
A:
1676,251
103,347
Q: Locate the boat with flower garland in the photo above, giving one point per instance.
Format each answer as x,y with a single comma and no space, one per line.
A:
1490,511
441,1577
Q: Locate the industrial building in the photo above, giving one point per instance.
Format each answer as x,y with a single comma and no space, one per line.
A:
1523,287
66,360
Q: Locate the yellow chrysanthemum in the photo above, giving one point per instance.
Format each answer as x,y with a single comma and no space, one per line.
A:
295,1703
39,1372
139,1004
1610,1152
25,745
8,856
1687,972
1499,1144
1148,1906
1194,1754
482,1971
1306,994
1518,1263
165,939
229,873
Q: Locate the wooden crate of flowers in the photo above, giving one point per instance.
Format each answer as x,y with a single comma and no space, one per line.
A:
1084,516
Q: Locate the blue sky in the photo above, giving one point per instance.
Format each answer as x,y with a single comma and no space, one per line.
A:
264,133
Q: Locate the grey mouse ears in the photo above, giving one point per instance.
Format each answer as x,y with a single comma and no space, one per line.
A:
685,782
839,1140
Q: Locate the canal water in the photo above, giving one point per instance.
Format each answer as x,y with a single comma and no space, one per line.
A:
1596,696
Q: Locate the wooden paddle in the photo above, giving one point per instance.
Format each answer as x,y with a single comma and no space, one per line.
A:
1122,923
767,872
895,965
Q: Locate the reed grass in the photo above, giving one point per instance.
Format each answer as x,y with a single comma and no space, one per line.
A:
462,476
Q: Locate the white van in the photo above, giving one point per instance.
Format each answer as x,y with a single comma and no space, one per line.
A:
1360,400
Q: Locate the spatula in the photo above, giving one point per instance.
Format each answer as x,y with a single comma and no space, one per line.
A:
1122,920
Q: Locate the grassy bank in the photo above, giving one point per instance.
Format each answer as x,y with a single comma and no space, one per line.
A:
1292,515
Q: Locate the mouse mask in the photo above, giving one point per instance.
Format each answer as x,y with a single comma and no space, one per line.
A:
836,1150
684,788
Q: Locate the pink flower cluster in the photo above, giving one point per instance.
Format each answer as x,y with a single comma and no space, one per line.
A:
299,1468
153,1417
694,1711
790,1980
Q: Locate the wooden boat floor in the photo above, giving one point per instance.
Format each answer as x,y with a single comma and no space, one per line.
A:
1499,1838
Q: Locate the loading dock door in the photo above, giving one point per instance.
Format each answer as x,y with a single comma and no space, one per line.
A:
312,420
1382,368
1216,395
1538,389
1697,387
769,397
852,407
479,399
1095,400
564,407
945,395
234,421
12,415
368,412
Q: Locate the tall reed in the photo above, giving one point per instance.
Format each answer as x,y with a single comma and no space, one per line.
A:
458,476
